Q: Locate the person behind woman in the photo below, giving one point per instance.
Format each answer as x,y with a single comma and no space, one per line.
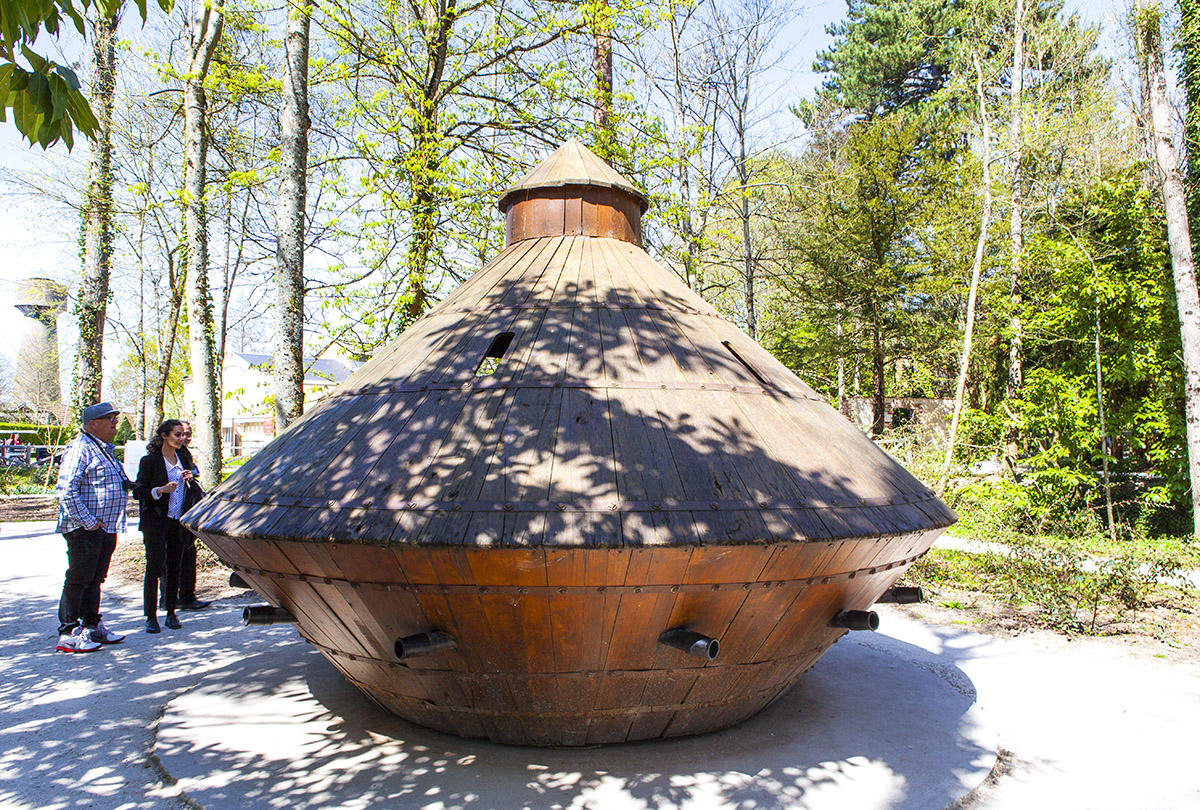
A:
162,488
187,567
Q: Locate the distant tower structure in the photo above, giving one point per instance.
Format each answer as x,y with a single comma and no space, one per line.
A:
37,377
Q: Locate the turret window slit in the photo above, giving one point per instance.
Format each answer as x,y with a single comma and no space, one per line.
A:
753,371
491,358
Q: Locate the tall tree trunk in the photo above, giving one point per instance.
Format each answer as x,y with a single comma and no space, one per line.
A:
93,290
1016,371
143,362
878,390
691,241
602,70
420,249
843,400
221,317
1144,120
748,269
206,32
288,372
1108,503
426,160
1148,28
985,223
166,348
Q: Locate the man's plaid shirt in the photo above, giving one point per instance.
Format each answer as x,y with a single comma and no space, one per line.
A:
90,487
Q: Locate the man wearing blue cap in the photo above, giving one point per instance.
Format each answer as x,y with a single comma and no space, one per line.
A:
92,491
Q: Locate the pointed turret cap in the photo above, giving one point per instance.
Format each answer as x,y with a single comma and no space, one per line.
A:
572,164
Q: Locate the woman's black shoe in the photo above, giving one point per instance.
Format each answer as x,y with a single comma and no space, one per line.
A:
152,626
172,622
195,604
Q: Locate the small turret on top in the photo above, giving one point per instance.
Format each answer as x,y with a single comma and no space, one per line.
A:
573,193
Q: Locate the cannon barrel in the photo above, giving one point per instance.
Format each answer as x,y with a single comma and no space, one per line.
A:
901,595
856,620
691,642
266,614
236,581
422,644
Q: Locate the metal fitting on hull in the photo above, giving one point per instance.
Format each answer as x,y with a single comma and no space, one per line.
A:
856,620
691,642
422,644
266,614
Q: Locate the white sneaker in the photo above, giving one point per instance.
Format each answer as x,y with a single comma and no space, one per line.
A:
103,635
76,642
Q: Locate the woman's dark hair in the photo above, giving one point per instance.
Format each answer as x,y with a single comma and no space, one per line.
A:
156,441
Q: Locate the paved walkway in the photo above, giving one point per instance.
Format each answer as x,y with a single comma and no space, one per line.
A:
216,715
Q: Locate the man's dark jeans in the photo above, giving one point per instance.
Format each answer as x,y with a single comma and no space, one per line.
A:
88,555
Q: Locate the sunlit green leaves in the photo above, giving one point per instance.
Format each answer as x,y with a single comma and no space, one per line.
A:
43,98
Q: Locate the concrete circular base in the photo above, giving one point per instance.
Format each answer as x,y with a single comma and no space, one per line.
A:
877,723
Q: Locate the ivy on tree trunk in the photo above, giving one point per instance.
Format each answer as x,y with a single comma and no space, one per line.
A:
98,208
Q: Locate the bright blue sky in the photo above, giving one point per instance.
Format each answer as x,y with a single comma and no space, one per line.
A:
38,238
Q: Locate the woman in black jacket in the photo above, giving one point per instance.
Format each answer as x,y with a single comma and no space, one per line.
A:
164,489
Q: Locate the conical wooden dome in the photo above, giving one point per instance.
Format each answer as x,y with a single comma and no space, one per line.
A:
571,395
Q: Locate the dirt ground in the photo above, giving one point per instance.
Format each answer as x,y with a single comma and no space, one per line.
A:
129,565
28,507
1172,634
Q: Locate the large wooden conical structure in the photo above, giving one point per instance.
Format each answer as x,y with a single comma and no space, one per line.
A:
570,455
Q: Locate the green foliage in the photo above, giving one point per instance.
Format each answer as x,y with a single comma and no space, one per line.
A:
51,435
27,480
447,106
124,432
1059,563
1050,582
890,54
45,97
870,243
980,435
1106,257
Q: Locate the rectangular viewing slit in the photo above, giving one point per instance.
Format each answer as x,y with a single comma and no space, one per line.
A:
742,360
491,358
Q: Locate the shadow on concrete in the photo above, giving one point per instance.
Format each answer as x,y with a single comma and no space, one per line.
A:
877,723
75,730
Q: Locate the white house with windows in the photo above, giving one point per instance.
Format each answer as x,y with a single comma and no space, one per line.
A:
248,412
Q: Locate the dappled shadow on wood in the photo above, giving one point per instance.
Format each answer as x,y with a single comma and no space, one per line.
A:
623,429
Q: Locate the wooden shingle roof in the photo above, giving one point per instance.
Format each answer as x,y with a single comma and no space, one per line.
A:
622,410
572,164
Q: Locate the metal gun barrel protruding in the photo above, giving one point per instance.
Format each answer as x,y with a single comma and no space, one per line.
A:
901,595
423,644
266,614
856,620
691,642
236,581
